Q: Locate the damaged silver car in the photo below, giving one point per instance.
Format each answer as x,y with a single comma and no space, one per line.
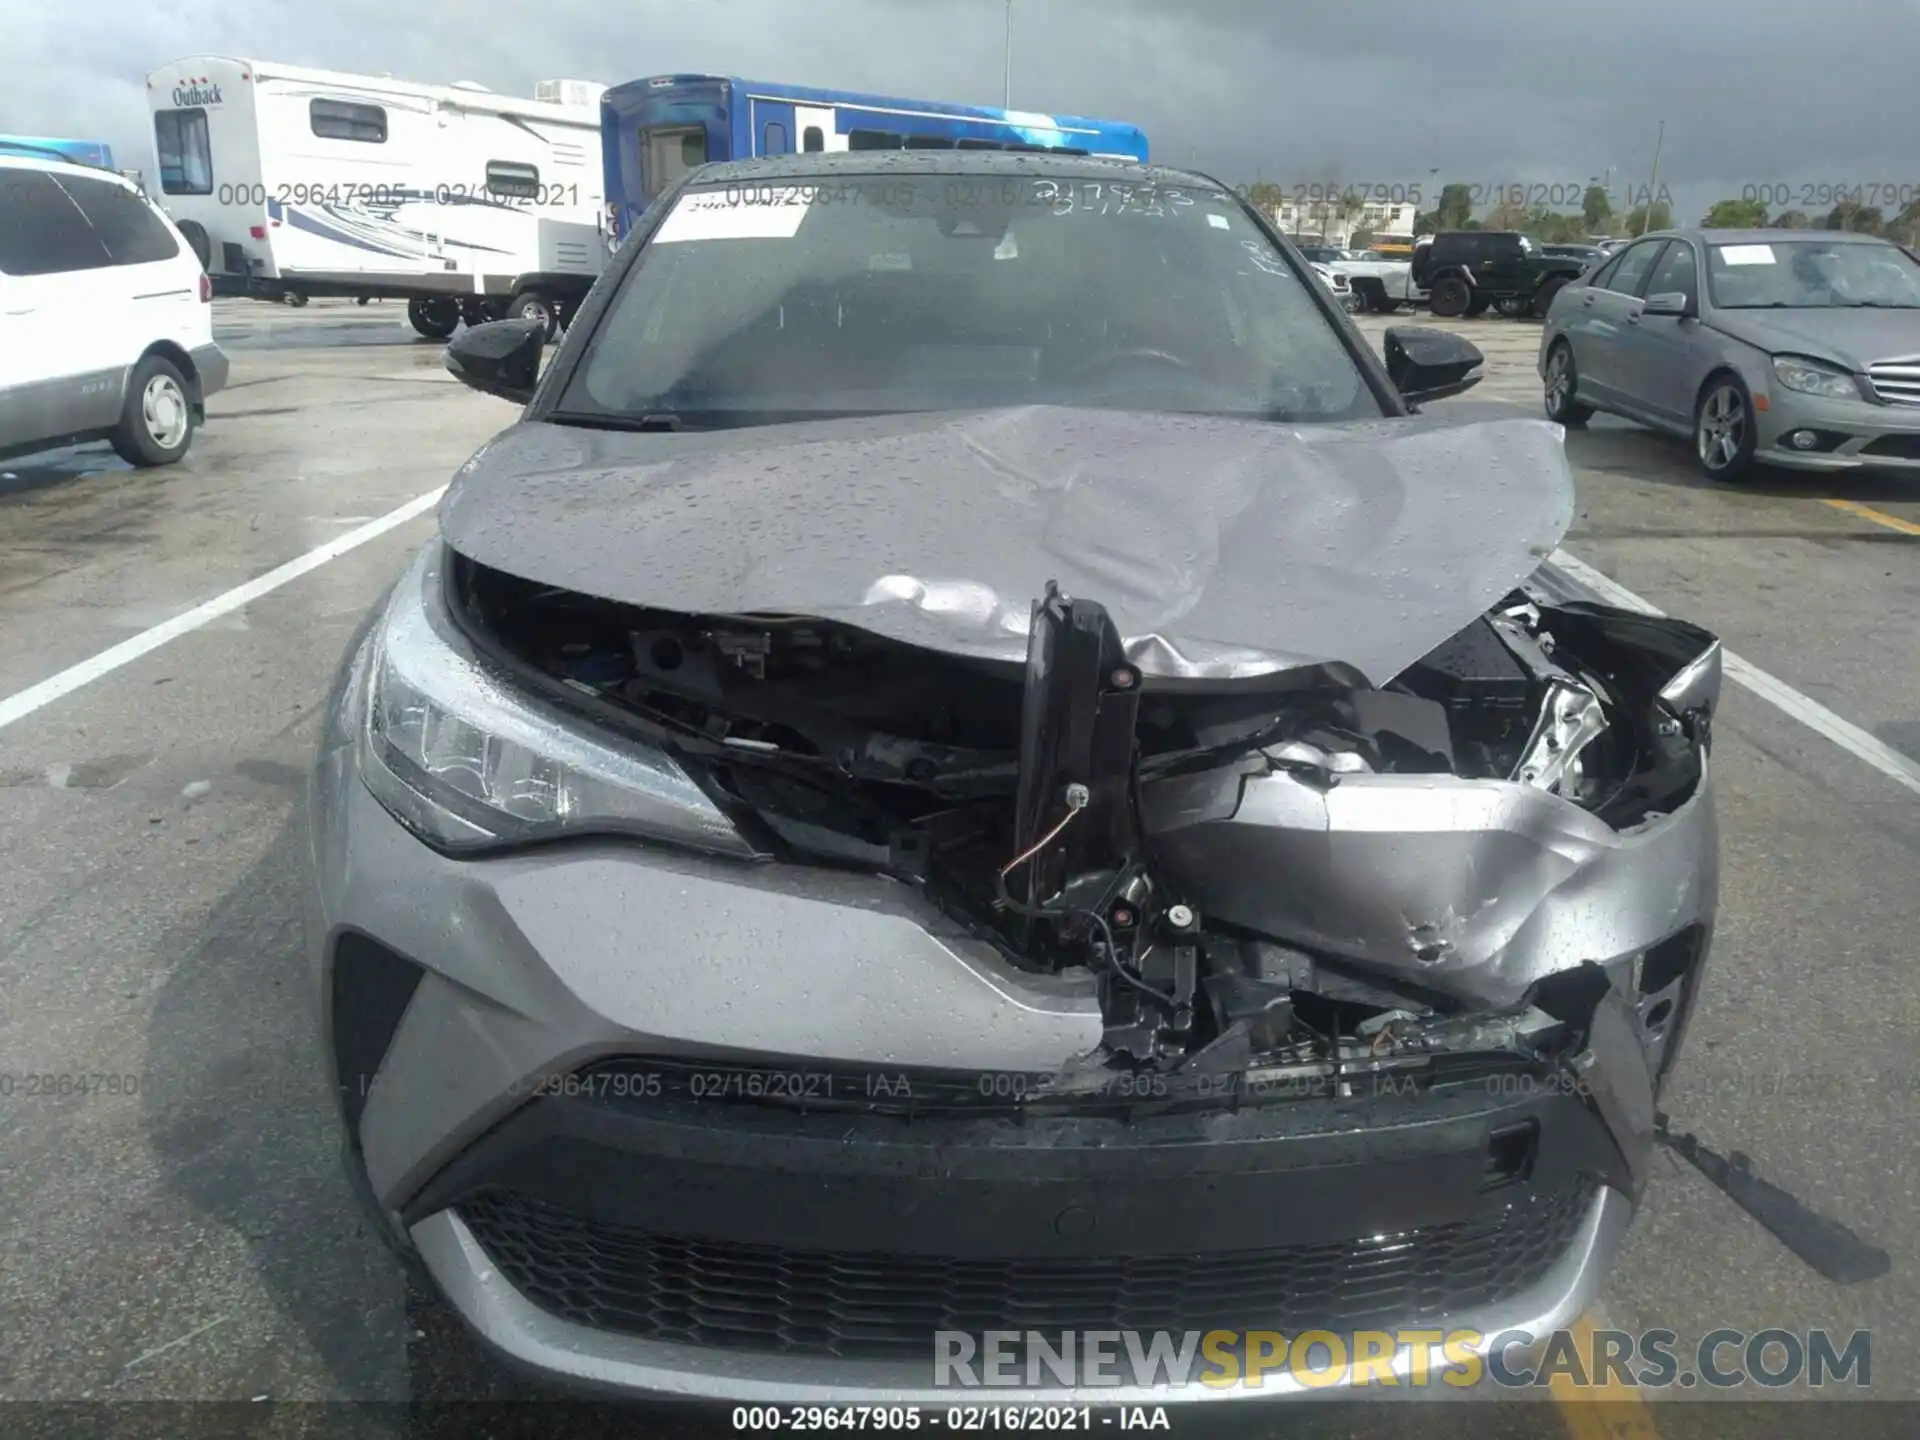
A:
972,763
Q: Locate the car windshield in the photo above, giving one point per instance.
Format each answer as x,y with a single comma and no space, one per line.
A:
1812,274
959,291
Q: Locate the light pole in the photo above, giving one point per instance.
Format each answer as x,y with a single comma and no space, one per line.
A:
1653,185
1007,102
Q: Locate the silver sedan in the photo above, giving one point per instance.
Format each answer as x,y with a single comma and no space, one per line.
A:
1764,347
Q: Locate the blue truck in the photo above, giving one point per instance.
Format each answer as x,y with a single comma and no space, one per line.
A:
653,131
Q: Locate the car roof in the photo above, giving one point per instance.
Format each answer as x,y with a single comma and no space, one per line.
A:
1766,237
1012,164
62,167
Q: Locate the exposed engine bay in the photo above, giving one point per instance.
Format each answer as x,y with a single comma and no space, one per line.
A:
1084,816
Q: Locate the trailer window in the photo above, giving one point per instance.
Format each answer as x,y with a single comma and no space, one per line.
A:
773,138
872,140
343,120
512,180
982,145
186,161
929,142
670,151
813,140
126,224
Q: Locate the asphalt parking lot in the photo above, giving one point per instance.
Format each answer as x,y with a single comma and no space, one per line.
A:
184,1234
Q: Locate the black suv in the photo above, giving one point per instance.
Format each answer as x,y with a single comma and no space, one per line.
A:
1465,271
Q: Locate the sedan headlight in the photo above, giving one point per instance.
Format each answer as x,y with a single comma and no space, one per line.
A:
468,761
1814,377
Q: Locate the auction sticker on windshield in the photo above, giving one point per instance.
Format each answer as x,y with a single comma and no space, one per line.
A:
1746,254
719,215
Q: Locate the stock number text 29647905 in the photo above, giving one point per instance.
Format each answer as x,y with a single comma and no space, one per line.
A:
390,194
1889,195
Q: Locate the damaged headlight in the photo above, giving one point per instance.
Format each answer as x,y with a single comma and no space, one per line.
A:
468,761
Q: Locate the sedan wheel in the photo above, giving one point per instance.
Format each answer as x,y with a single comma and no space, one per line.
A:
1723,430
1561,383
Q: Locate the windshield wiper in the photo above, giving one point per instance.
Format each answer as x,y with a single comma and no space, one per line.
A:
1879,305
663,420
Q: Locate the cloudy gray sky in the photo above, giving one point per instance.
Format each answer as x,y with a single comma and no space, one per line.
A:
1492,92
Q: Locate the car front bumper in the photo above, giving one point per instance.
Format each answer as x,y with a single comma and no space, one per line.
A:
1853,433
723,1248
211,367
531,1338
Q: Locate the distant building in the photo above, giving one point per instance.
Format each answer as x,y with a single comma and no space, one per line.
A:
1324,222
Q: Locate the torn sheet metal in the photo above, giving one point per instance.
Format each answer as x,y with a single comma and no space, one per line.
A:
1470,888
1223,548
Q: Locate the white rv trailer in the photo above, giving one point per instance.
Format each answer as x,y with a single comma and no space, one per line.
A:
292,182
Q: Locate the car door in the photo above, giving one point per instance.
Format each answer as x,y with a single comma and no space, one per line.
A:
151,291
1599,320
1664,358
55,378
1497,266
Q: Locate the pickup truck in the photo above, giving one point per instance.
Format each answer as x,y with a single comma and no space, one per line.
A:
1342,290
1381,286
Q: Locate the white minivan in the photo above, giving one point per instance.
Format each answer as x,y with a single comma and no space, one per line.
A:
106,325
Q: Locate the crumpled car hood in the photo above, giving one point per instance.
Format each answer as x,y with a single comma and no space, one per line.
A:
1222,548
1854,338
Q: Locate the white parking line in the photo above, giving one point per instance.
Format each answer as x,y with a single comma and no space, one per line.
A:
1776,692
35,697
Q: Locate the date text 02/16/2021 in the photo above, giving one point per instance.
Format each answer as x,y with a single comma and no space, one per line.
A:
959,1419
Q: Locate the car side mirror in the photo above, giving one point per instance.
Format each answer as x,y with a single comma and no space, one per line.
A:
1430,364
501,357
1668,302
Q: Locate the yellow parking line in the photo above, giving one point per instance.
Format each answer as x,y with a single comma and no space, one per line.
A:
1602,1409
1878,517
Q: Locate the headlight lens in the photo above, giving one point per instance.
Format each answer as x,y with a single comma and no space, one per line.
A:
1814,377
469,762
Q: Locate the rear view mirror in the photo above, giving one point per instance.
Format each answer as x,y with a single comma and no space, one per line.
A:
501,357
1430,364
1668,302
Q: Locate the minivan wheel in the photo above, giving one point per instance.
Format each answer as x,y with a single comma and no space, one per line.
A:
1723,429
1451,297
156,418
1562,382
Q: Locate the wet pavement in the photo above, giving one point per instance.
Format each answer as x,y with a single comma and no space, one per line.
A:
178,1229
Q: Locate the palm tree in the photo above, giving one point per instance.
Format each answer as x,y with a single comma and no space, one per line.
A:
1349,207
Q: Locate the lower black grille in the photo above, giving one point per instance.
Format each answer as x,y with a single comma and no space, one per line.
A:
750,1297
1894,447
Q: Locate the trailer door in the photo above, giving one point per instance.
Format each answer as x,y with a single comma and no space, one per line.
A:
817,129
771,122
